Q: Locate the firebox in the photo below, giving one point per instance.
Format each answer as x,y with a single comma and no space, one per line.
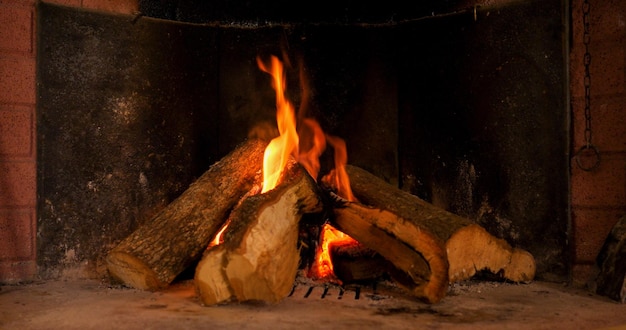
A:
463,106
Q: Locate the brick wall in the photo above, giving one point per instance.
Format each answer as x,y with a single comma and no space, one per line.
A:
18,192
599,196
17,141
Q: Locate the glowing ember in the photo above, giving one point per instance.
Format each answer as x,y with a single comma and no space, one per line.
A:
323,266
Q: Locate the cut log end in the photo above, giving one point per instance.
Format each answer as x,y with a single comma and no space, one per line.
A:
258,260
453,247
472,249
522,267
418,259
160,249
211,283
131,271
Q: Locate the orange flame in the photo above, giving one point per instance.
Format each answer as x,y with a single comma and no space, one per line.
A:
218,239
309,159
338,177
323,266
314,144
280,148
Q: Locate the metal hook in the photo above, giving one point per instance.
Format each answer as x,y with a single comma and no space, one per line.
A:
596,156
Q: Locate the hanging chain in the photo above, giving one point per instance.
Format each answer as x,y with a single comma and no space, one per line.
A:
588,148
587,78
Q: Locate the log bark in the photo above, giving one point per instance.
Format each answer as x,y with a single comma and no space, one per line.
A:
452,247
160,249
259,257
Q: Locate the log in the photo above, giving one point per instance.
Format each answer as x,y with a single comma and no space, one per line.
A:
160,249
453,247
258,259
418,256
611,280
355,263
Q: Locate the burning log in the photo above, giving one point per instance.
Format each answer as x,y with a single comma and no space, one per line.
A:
353,262
417,255
259,257
160,249
431,246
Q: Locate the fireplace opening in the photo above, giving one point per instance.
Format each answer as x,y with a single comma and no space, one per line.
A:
464,107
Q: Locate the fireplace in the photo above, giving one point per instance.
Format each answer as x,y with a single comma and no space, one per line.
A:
465,104
465,107
459,109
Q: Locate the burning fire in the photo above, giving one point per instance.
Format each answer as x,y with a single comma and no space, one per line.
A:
288,144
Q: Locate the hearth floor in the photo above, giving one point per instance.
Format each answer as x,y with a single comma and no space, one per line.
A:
91,304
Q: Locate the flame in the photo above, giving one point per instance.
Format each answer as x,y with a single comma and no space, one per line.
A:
338,177
323,266
218,239
309,159
314,143
280,148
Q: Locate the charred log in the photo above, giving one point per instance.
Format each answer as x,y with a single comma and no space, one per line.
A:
160,249
353,262
433,247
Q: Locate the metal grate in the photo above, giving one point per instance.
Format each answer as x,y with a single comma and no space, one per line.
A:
331,291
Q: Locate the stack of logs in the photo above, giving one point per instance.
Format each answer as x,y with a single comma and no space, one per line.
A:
258,260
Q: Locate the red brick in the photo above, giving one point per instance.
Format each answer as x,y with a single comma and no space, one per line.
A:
16,272
576,69
590,228
603,187
17,235
608,120
583,275
607,40
16,131
607,69
17,28
17,80
608,19
115,6
18,184
18,2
